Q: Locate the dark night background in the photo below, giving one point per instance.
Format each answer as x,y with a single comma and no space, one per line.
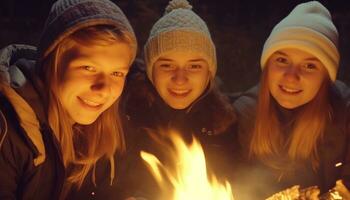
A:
238,27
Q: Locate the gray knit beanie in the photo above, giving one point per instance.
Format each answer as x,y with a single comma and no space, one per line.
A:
68,16
179,29
308,27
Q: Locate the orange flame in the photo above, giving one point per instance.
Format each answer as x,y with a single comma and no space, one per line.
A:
189,179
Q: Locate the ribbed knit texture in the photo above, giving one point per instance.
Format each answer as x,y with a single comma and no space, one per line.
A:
179,29
68,16
308,27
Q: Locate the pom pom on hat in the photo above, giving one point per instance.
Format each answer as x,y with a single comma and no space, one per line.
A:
309,28
175,4
180,29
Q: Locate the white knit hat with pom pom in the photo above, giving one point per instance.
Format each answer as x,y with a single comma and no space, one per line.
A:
180,29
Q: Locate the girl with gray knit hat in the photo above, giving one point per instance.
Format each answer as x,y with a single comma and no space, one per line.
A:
59,117
177,91
292,127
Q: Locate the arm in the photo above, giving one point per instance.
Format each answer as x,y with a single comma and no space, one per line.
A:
343,185
8,172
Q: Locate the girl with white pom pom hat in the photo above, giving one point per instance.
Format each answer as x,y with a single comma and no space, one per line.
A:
177,89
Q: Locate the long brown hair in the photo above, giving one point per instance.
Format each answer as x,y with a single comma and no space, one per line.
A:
82,145
268,140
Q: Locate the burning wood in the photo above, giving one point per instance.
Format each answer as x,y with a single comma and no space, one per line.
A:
294,193
189,179
288,194
331,195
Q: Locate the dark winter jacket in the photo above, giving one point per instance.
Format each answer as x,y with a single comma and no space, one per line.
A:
147,115
256,180
30,159
30,156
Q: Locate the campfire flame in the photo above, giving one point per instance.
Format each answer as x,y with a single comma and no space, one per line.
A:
189,179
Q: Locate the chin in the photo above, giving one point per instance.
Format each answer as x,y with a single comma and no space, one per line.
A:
86,121
288,105
178,106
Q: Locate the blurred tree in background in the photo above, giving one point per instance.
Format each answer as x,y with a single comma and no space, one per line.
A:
239,29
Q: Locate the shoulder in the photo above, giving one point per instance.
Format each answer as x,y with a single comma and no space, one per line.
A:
245,107
10,128
139,93
245,104
342,90
339,100
7,120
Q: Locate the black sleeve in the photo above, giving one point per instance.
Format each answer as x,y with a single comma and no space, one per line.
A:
16,157
346,165
8,166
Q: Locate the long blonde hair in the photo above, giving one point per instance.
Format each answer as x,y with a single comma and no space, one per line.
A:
268,140
82,146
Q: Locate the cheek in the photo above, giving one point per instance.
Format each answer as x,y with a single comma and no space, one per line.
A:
271,83
205,81
66,98
117,89
272,76
314,85
64,91
160,82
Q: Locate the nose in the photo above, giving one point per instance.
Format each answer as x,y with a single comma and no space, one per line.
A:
292,73
101,85
179,77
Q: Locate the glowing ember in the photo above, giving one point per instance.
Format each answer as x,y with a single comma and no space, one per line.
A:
189,179
288,194
295,193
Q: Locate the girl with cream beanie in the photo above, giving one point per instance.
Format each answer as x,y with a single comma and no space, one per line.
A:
177,91
294,122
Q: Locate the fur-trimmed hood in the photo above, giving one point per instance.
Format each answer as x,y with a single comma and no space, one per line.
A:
17,84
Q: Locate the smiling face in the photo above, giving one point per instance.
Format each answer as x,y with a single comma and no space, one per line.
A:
180,78
294,77
93,79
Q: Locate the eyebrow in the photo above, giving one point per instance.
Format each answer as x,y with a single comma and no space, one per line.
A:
197,60
86,59
281,53
164,59
313,59
308,59
192,60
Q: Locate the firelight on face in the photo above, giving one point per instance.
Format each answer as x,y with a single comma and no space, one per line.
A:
93,79
180,77
294,77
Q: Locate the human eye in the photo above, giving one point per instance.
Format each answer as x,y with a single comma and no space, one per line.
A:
89,68
118,74
281,60
165,66
195,66
310,66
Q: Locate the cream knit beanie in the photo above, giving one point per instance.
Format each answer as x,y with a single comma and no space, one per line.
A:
309,28
180,29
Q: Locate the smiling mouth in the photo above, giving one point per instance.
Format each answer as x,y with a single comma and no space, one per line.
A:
89,103
179,93
289,90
